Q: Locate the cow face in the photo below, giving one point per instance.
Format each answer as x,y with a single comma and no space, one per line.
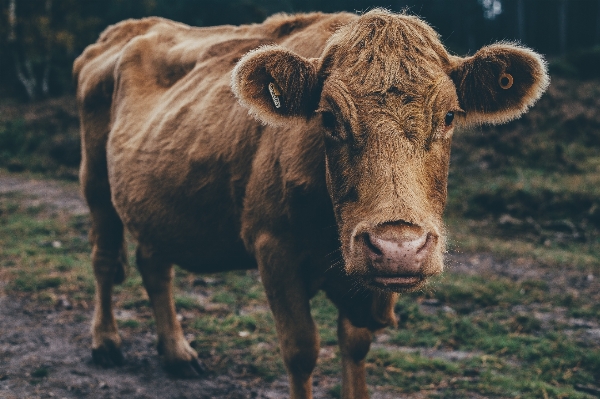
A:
388,97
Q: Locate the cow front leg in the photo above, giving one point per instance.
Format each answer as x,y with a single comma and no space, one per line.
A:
179,357
287,293
354,345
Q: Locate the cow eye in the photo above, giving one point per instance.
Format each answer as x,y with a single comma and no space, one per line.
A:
328,120
331,125
333,128
449,118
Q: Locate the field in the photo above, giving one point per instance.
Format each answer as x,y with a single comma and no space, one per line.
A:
516,314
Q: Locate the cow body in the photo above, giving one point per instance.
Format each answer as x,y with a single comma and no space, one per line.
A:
319,157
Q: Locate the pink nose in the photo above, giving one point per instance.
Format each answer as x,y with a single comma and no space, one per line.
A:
395,256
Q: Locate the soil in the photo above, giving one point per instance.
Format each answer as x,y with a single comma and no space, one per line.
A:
45,351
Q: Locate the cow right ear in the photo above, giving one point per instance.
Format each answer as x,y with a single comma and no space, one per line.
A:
276,85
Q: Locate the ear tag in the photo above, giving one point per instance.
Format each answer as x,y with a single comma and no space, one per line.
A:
505,81
275,93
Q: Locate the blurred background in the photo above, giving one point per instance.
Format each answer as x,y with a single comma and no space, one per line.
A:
39,39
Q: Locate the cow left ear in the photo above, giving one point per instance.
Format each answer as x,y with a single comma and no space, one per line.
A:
499,83
276,85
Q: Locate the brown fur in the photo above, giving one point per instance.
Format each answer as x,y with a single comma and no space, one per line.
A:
355,160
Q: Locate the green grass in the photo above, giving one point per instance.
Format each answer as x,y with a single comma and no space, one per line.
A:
518,354
549,217
40,372
130,323
31,260
510,350
43,139
185,302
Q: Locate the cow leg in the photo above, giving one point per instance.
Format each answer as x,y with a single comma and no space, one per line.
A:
108,261
108,258
360,316
179,357
288,298
354,345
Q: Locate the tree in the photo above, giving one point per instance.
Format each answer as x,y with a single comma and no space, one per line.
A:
598,24
32,68
40,42
562,25
521,19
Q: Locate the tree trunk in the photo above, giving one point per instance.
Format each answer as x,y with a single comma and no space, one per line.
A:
24,69
562,26
521,19
598,25
12,20
26,77
468,26
48,58
45,79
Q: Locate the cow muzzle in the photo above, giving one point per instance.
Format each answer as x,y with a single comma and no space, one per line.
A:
399,256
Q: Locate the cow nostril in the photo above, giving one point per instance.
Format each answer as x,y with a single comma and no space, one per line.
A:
430,241
372,247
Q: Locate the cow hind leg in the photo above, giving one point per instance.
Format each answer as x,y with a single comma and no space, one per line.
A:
108,261
179,357
106,234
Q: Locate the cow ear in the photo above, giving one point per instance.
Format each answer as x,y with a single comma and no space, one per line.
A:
499,83
276,85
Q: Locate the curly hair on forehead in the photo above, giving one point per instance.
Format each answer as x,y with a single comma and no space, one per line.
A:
381,49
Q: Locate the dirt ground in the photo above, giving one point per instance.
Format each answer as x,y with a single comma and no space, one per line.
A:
34,339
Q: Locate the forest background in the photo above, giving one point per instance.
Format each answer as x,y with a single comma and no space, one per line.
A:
39,39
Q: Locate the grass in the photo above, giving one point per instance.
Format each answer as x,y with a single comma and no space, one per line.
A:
40,137
31,260
517,353
508,337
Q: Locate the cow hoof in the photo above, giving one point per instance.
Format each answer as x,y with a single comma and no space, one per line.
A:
108,355
190,369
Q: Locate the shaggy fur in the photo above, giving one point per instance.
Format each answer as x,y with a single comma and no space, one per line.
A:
341,188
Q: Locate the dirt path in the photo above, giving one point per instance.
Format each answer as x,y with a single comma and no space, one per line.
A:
36,339
54,194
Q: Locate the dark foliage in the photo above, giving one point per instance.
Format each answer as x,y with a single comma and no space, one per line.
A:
47,35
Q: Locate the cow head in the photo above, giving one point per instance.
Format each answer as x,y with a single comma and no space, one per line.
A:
388,96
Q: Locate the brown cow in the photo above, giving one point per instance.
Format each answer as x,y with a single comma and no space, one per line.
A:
346,149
